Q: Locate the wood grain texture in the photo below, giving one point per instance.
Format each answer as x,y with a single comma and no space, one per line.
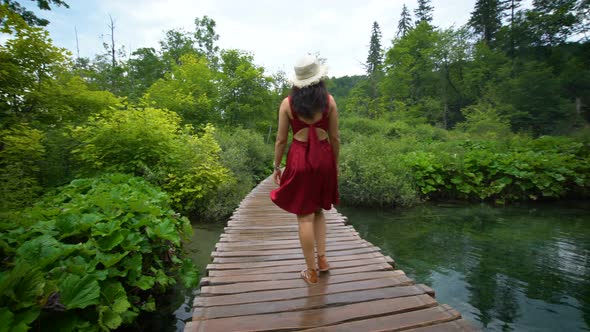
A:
253,282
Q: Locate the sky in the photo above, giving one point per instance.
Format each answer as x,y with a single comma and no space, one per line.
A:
276,32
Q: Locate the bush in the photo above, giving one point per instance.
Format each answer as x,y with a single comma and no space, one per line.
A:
482,120
91,257
151,143
548,167
249,159
21,152
372,173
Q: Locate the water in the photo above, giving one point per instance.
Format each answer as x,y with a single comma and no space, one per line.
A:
519,268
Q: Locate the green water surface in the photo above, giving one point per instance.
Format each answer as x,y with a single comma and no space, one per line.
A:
519,268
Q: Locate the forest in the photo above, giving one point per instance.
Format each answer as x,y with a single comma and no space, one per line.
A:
106,161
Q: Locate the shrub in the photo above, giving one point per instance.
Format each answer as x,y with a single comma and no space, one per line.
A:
372,173
21,151
91,257
482,120
249,159
151,143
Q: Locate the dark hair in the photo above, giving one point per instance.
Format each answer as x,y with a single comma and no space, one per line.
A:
309,100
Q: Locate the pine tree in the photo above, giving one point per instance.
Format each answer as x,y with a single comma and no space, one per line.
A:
423,12
510,6
552,21
486,19
405,22
374,59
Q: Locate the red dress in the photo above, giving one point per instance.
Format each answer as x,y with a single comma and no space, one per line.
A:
310,180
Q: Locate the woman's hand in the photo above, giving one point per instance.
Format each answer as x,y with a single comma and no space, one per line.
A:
277,176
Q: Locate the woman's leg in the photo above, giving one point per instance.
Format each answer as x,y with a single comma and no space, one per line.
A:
319,225
319,230
306,237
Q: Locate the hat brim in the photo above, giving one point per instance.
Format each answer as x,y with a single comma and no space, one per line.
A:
322,73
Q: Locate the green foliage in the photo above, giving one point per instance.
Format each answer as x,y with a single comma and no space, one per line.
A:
188,90
382,182
21,152
93,255
29,16
474,163
482,120
503,171
194,172
249,160
245,92
151,143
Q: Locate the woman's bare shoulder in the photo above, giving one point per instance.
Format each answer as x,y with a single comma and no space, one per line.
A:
332,103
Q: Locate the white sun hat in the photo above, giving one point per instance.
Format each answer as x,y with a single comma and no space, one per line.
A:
308,71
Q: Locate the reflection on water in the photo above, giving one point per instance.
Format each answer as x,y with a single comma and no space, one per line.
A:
524,268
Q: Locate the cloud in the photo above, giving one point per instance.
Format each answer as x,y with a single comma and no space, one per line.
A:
275,32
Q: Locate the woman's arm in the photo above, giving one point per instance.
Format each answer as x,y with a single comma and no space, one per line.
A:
333,131
282,136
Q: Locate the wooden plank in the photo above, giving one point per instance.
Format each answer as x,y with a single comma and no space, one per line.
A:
246,262
275,242
217,270
399,322
329,245
253,282
220,280
453,326
294,283
317,317
312,302
290,252
294,293
237,238
275,250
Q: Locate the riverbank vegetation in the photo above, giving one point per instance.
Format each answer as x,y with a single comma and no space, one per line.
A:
103,161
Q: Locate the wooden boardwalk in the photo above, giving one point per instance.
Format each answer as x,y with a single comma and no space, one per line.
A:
253,282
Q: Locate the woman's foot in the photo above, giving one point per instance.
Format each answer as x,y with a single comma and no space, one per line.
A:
323,263
310,276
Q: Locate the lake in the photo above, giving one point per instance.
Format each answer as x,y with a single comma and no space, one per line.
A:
518,268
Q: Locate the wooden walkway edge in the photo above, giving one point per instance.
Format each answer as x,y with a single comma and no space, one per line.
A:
253,283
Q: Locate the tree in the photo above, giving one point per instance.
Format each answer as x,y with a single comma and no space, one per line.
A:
145,68
511,7
28,15
245,96
30,63
486,19
423,12
205,37
374,58
410,75
405,22
552,21
189,90
177,43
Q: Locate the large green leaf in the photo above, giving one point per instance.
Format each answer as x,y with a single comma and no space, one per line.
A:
144,282
109,260
114,295
189,273
110,241
76,292
108,319
166,231
6,319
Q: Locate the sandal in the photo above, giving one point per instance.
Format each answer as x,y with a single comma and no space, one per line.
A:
310,277
323,265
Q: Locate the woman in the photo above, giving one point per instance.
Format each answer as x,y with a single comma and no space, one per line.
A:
309,182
